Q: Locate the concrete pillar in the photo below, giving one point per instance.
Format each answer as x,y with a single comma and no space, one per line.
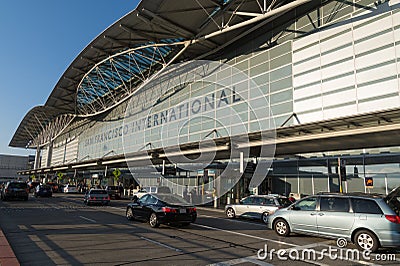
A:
49,154
37,158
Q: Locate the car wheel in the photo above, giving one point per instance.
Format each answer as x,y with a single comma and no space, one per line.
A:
26,198
230,212
153,221
366,240
264,217
129,214
281,228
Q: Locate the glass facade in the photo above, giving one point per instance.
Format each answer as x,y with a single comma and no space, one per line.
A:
339,60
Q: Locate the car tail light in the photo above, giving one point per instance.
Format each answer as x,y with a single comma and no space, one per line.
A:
6,190
93,198
168,210
192,209
393,218
27,190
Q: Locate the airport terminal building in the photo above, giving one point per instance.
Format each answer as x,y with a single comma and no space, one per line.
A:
190,92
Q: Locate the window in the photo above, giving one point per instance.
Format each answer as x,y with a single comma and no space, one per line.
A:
248,200
334,204
365,206
308,204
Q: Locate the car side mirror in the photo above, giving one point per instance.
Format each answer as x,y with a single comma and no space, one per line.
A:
295,208
135,199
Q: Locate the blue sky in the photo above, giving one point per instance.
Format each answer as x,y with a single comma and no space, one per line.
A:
39,39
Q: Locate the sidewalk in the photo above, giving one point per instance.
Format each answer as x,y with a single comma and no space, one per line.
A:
7,256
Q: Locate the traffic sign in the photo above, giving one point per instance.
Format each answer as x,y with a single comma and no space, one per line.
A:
369,182
117,173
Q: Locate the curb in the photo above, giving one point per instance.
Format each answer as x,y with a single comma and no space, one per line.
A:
7,256
211,209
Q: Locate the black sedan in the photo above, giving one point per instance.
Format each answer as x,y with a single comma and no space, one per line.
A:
43,191
161,209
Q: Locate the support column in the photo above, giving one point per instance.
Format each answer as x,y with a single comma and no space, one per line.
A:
49,154
37,158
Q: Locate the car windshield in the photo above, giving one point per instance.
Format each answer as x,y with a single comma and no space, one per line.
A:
172,199
18,185
112,187
98,191
284,202
45,187
71,186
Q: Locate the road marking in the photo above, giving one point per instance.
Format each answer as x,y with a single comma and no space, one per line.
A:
246,235
161,244
252,259
234,220
87,219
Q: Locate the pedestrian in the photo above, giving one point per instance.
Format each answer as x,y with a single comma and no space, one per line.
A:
291,197
185,194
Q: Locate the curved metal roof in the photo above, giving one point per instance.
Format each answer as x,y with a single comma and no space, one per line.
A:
155,34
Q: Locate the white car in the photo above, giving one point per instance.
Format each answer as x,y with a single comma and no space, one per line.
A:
70,189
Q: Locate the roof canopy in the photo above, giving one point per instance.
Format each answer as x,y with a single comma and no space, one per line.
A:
145,41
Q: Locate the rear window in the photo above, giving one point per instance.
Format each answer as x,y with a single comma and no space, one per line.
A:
172,199
365,206
112,187
18,185
71,186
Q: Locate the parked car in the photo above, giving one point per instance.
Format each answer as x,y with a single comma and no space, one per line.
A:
161,209
32,185
43,191
96,196
54,186
15,190
70,189
113,191
370,221
257,206
151,190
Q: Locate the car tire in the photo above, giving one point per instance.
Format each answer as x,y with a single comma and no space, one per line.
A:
153,220
230,212
26,198
264,217
281,227
366,240
129,214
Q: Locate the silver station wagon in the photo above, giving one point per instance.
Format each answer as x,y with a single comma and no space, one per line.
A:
257,206
370,221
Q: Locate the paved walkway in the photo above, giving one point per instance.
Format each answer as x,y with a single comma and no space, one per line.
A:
7,256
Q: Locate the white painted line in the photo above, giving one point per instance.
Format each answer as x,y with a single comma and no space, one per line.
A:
246,235
252,259
161,244
235,220
87,219
117,208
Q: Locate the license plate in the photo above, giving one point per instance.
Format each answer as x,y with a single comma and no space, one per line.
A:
182,210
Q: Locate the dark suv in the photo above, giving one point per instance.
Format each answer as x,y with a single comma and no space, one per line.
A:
15,190
113,192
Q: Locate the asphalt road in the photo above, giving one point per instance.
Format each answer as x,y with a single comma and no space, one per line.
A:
63,231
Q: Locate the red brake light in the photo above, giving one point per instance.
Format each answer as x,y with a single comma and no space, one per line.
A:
167,210
393,218
192,210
